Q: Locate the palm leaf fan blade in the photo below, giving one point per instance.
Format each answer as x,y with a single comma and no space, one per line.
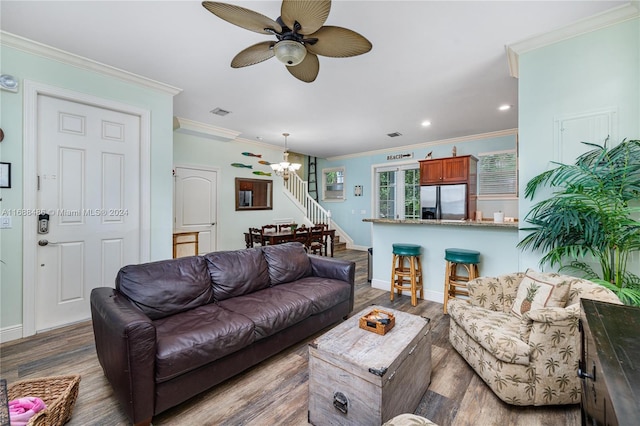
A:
310,14
253,54
244,18
307,70
338,42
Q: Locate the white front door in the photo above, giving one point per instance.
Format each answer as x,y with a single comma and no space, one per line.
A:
195,205
89,184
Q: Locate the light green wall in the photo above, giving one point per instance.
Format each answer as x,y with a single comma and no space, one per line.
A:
348,214
600,69
192,150
46,71
591,71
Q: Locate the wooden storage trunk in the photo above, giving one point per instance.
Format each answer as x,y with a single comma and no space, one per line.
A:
357,377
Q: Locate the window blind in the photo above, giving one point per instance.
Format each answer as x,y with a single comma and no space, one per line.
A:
498,173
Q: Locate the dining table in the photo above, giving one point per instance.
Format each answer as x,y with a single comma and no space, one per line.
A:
280,237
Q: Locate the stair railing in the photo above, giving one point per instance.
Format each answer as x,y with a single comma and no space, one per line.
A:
297,190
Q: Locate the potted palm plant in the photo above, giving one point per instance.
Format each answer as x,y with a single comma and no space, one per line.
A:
592,214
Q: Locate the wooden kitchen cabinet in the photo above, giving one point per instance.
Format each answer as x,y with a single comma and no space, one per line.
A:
462,169
453,171
430,172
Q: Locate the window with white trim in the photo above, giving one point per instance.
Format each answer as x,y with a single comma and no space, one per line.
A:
498,174
398,192
333,184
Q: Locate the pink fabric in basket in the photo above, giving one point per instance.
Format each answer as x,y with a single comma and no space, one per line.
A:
22,409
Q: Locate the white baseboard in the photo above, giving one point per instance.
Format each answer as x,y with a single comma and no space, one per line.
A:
8,334
433,296
354,247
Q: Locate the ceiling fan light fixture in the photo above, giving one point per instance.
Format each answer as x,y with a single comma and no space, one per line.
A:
290,52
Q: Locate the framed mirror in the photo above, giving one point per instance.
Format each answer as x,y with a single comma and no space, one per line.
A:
254,194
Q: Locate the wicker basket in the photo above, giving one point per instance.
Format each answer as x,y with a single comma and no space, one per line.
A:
59,393
368,323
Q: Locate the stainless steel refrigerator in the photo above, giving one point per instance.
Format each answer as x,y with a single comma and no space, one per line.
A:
444,202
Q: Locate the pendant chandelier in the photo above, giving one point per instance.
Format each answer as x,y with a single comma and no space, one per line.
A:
284,168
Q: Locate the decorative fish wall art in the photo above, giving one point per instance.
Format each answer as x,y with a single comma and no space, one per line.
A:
250,154
266,163
247,166
259,173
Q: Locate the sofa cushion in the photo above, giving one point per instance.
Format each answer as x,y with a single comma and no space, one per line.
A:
194,338
271,310
497,332
234,273
287,262
166,287
539,290
324,293
584,289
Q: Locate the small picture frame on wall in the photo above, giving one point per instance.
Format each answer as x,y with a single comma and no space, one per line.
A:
5,175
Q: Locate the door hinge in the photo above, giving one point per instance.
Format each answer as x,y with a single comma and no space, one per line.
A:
38,183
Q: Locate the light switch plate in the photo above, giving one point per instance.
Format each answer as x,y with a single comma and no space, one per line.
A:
5,222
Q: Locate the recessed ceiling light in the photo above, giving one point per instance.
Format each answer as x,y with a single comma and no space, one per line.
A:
504,107
426,123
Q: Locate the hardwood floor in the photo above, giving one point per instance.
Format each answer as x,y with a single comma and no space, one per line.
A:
275,391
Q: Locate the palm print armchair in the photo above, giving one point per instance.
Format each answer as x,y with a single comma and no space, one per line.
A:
519,332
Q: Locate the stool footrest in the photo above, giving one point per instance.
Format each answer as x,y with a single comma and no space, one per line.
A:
406,271
455,284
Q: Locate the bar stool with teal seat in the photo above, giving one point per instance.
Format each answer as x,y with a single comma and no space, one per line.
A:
406,266
455,284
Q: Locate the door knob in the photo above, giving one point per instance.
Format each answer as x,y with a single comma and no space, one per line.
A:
45,243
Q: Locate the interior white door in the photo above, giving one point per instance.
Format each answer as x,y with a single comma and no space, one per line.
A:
195,205
89,185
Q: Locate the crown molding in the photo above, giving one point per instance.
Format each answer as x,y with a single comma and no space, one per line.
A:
184,125
458,140
601,20
49,52
265,145
196,128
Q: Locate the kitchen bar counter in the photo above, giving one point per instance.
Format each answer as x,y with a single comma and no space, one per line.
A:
496,242
484,223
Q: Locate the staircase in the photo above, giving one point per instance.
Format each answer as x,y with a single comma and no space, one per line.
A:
297,191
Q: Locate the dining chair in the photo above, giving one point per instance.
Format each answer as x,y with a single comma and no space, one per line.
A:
269,228
255,236
287,227
301,235
317,240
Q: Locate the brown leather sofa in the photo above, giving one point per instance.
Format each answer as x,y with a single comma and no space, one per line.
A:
174,328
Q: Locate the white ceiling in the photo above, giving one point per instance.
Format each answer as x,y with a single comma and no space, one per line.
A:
442,61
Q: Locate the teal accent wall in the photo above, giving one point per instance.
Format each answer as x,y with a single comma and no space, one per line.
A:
348,214
596,70
194,150
55,73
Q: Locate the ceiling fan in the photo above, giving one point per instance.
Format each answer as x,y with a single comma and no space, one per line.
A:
300,35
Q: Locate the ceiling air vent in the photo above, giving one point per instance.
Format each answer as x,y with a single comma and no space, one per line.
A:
219,111
394,134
